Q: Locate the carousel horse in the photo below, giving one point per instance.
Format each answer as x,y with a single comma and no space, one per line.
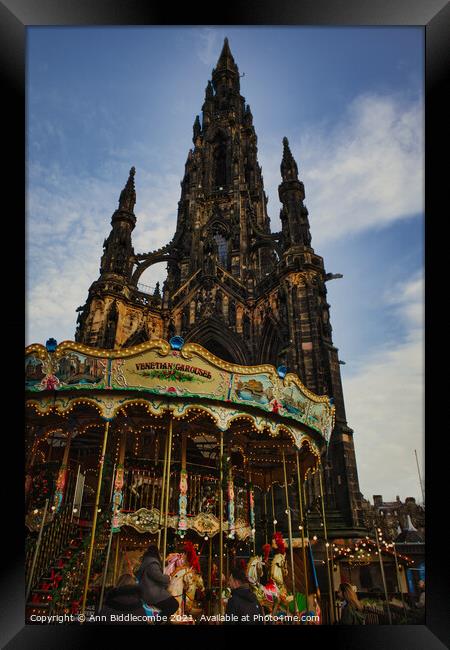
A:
278,570
268,595
141,479
177,569
194,592
185,579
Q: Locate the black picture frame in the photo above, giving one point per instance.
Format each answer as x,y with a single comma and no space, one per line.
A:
15,17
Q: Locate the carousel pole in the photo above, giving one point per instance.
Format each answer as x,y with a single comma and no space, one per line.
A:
325,532
163,484
183,499
94,521
116,497
36,550
302,526
167,494
273,504
105,571
291,548
383,577
116,557
399,582
265,516
251,499
209,574
221,523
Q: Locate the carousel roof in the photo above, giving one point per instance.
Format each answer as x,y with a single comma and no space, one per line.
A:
179,375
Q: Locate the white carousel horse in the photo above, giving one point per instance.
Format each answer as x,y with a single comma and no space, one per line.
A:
183,581
141,479
194,582
268,595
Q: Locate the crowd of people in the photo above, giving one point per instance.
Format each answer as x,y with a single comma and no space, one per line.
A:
145,597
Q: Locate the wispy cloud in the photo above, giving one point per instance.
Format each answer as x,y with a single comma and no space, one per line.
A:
384,402
208,45
68,219
363,172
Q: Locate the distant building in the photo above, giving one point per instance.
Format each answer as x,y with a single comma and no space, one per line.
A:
392,516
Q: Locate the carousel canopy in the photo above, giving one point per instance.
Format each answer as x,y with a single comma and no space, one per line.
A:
181,374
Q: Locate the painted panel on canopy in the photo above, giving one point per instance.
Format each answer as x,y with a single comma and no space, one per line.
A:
76,369
293,400
320,417
72,370
170,375
34,372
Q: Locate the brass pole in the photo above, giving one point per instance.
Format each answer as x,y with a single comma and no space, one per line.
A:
291,548
273,505
36,550
94,521
116,477
105,571
166,513
183,487
221,523
116,557
75,492
399,582
330,578
383,577
265,515
209,574
302,527
163,484
252,514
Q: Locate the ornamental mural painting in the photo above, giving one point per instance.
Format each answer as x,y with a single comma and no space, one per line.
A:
34,372
254,388
76,368
293,400
72,370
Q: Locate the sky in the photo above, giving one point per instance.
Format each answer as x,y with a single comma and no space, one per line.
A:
351,103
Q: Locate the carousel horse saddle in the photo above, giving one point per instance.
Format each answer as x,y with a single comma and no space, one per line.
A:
151,610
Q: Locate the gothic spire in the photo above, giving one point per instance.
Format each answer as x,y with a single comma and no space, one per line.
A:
226,61
209,92
197,129
289,169
225,70
127,198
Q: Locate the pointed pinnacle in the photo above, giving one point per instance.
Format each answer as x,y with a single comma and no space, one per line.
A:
226,59
127,198
289,169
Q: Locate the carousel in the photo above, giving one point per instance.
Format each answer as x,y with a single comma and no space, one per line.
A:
166,443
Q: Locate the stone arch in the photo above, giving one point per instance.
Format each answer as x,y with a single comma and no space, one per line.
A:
149,261
271,342
221,341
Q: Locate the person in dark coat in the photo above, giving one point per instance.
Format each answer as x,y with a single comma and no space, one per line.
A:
125,598
242,603
154,583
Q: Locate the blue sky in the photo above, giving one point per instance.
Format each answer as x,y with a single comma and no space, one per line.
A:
350,100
